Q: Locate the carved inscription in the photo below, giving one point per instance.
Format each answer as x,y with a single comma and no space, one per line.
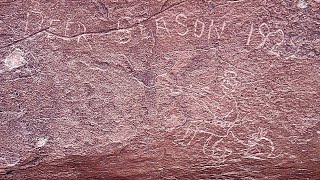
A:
178,25
180,19
161,26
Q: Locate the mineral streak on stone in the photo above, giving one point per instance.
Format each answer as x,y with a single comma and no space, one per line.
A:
159,89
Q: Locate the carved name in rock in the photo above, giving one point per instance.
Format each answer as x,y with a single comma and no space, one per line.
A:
159,89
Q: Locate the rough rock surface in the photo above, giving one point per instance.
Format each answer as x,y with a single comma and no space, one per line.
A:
159,89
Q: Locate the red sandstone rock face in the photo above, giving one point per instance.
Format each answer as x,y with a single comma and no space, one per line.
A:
128,89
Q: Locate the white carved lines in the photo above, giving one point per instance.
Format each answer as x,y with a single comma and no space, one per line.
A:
198,29
236,138
218,150
180,19
30,21
230,81
198,32
272,51
124,34
189,135
84,29
145,34
213,142
270,39
179,25
73,30
218,34
161,27
250,34
266,35
67,27
259,146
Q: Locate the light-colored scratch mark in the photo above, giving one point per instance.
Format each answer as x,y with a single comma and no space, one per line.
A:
265,35
236,1
250,34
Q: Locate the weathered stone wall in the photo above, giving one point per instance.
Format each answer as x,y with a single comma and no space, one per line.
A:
159,89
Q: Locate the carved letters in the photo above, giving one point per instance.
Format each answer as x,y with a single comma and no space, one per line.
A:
161,27
198,28
181,22
181,26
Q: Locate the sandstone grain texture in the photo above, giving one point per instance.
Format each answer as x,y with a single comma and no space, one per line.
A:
159,89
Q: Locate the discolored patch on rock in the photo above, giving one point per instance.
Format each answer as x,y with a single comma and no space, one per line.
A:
15,59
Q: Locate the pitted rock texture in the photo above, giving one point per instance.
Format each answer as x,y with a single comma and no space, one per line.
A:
159,89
